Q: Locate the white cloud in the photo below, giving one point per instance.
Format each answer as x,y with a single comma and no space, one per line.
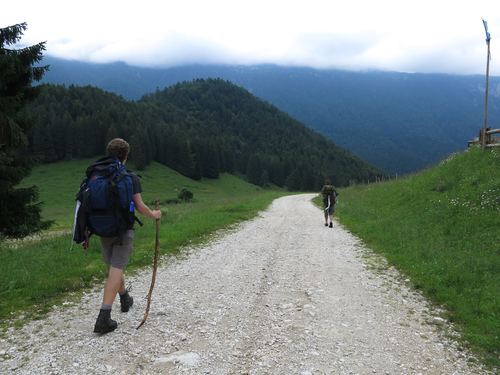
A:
415,36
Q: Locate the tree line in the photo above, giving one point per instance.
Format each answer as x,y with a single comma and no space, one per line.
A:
200,128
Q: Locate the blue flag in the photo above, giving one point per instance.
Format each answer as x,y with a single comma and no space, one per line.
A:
486,29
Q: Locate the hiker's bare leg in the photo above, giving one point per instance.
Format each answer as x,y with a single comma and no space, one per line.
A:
115,284
331,218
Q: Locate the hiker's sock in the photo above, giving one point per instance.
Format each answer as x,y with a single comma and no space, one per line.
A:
106,307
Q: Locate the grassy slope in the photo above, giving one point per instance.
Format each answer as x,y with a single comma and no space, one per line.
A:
47,270
440,228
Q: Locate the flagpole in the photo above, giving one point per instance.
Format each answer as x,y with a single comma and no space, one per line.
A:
488,38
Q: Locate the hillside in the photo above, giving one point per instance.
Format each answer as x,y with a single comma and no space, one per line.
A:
200,129
438,227
396,121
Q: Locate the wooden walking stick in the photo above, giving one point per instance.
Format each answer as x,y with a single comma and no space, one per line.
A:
155,266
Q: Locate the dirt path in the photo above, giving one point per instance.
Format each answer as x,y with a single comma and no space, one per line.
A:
281,294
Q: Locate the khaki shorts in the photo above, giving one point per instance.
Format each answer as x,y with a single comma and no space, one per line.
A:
117,255
330,211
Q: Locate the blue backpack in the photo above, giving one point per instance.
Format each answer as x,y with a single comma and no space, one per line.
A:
106,196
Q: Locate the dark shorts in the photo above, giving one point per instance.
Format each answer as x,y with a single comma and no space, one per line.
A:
117,255
330,211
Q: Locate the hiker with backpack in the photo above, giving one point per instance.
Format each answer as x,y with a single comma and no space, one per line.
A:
109,196
329,195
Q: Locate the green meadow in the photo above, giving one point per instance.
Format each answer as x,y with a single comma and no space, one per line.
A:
36,274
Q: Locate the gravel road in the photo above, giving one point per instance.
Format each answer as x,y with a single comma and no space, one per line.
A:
280,294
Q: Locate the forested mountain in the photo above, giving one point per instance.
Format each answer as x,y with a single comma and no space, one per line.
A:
200,128
399,122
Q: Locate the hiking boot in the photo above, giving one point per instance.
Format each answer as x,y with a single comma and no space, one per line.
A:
126,301
331,224
326,224
104,323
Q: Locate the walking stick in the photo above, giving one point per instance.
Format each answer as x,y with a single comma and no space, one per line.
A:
155,266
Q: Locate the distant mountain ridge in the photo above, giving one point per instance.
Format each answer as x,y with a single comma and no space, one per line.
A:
398,122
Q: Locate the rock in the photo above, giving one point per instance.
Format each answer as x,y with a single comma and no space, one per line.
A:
188,359
438,321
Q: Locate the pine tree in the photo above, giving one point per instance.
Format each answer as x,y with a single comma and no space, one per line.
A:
210,160
137,152
112,133
230,161
198,164
276,175
264,179
307,181
21,215
293,182
43,145
318,182
186,161
254,170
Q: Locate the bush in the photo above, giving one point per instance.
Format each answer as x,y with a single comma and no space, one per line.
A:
185,194
172,201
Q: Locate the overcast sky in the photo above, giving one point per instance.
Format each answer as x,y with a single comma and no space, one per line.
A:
428,36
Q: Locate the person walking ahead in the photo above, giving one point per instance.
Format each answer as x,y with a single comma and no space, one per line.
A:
116,251
329,195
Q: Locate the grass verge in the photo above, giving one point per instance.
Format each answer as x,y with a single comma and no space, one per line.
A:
439,228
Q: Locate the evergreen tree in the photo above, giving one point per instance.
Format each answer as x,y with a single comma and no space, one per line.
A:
254,170
276,175
148,146
198,164
112,133
222,160
319,181
307,181
264,179
20,213
293,182
171,143
58,130
186,161
230,161
210,160
197,173
43,145
137,153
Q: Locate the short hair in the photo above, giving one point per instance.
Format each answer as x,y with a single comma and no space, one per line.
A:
328,182
119,148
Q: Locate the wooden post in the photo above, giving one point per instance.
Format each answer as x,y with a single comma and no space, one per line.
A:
483,137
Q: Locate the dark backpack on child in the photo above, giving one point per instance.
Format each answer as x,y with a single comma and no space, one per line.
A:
329,191
106,196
